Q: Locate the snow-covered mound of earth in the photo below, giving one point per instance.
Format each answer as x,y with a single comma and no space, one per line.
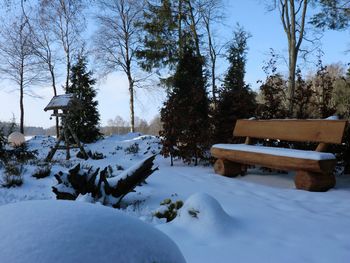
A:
65,231
203,216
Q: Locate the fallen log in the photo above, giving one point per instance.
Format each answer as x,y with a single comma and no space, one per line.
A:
95,182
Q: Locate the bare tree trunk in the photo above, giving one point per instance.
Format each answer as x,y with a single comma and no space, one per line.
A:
291,84
212,54
293,19
132,113
179,21
21,105
194,28
67,69
21,126
53,79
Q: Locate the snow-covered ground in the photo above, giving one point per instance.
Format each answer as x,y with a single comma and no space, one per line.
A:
64,231
256,218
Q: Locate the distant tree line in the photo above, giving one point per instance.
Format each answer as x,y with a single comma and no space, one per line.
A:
118,125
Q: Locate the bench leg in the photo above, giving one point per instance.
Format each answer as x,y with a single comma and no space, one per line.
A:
314,182
227,168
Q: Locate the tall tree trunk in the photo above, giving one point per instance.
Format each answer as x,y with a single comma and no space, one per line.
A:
212,54
67,70
194,29
132,113
213,82
179,21
53,79
21,106
291,84
293,20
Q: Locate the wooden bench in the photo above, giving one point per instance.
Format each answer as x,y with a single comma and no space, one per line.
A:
314,169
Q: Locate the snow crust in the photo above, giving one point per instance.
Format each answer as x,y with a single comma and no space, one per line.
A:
293,153
66,231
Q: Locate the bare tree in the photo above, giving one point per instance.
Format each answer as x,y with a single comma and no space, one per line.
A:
211,12
44,44
117,40
117,125
66,20
293,14
18,63
155,126
141,125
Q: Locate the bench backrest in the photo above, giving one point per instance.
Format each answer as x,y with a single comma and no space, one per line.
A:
322,131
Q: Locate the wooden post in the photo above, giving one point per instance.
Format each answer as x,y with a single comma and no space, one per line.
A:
75,137
66,140
314,182
54,149
227,168
248,140
321,147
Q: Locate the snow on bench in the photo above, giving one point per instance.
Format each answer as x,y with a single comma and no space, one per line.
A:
292,153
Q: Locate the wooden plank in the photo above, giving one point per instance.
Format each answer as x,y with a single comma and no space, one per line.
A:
326,131
273,161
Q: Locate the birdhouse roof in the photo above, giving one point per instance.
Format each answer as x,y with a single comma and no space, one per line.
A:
61,102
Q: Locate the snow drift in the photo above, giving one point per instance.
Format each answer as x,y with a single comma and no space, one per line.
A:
66,231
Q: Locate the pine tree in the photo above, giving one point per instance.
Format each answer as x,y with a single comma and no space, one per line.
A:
84,120
185,113
167,24
236,100
161,42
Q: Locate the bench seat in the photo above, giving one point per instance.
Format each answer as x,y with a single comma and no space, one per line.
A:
293,153
273,157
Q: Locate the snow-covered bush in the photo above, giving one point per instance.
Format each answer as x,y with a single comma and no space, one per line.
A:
13,174
132,149
92,155
18,153
43,170
64,231
2,140
168,209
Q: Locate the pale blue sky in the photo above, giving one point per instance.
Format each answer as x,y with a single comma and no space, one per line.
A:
266,31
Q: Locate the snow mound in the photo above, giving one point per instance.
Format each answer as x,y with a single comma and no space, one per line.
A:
65,231
204,216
